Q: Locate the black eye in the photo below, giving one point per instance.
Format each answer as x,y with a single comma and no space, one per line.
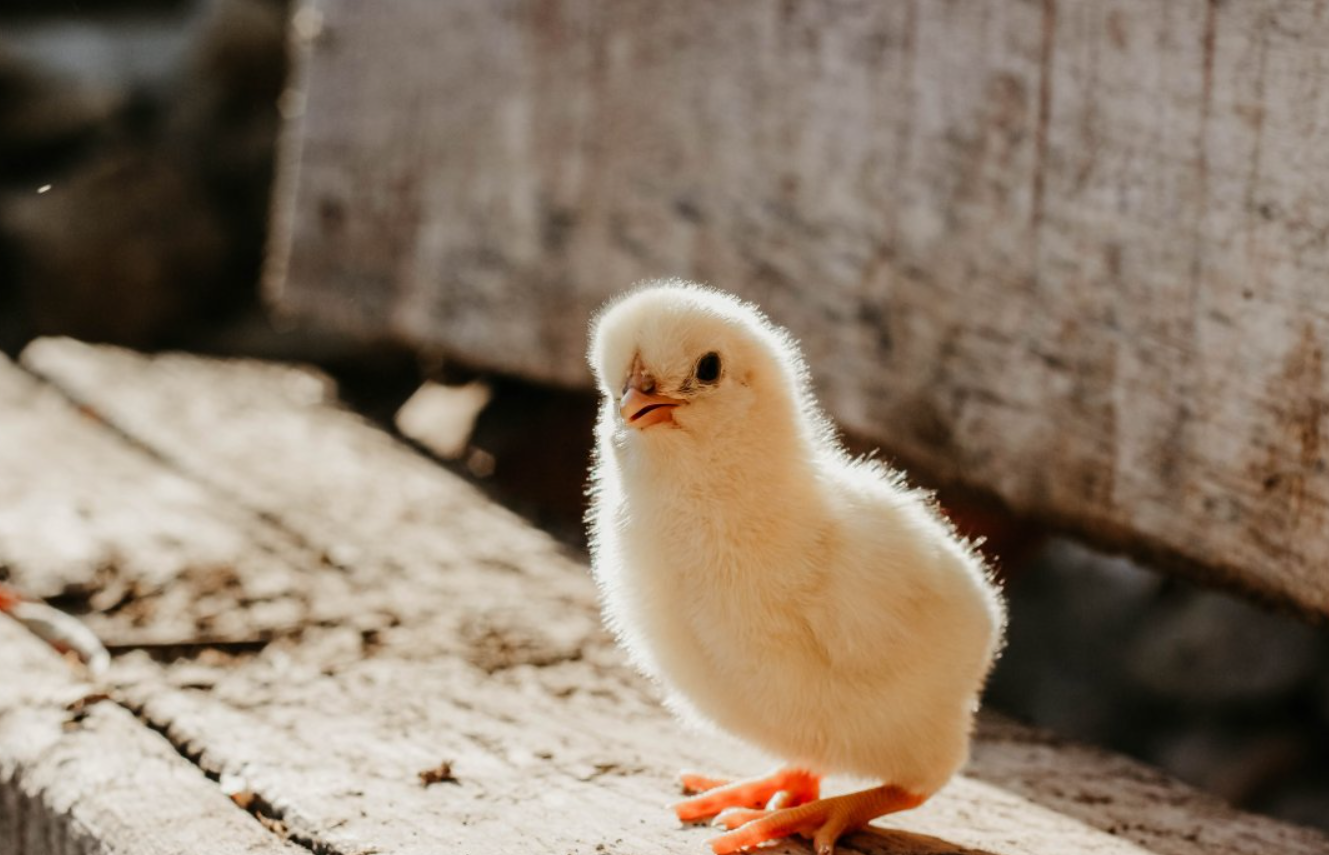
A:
708,368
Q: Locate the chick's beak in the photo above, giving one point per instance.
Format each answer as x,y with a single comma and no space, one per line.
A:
642,406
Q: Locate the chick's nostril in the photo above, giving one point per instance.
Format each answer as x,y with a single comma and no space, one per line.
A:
640,381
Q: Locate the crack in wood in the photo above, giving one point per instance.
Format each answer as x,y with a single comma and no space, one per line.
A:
1208,41
264,812
170,650
63,830
1044,117
332,764
273,521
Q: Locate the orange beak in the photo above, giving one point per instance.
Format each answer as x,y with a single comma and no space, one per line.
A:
642,406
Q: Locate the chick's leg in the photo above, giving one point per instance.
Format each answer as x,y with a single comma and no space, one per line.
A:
823,820
800,786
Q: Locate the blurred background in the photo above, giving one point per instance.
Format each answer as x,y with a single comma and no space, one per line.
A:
137,151
151,127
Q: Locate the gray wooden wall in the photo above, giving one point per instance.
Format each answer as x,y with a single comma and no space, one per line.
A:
1069,252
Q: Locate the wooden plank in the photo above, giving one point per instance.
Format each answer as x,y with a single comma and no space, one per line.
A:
494,665
79,779
422,525
1062,252
153,557
568,757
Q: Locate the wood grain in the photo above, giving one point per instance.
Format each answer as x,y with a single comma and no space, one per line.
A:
288,453
78,780
1068,253
154,559
493,663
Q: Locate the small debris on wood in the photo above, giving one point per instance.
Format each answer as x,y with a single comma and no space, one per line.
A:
441,418
79,709
481,463
244,799
237,789
63,632
81,705
271,823
497,643
440,774
598,770
8,598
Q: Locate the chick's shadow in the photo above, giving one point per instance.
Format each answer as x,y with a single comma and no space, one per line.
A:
894,841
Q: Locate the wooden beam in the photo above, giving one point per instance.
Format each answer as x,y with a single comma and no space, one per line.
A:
154,558
1066,253
80,774
493,665
412,525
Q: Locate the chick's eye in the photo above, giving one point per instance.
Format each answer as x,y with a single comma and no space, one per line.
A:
708,368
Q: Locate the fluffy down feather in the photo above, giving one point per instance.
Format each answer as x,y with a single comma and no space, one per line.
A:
804,601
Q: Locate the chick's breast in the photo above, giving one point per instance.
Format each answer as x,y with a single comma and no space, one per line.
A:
840,625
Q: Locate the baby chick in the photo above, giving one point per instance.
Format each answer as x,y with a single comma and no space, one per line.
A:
780,591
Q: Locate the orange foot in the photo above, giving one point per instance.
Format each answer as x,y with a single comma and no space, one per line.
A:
823,820
785,787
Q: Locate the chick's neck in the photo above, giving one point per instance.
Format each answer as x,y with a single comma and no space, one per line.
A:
755,478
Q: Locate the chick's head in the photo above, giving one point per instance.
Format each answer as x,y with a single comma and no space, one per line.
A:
675,359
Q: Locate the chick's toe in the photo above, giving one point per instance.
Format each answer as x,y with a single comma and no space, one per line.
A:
694,782
824,820
799,785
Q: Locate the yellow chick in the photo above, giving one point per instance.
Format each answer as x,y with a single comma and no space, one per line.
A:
779,590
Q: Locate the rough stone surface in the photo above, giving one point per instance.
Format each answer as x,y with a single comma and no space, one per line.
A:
1063,252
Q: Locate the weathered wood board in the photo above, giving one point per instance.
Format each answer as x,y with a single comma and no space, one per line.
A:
87,517
80,775
423,524
1069,253
490,660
